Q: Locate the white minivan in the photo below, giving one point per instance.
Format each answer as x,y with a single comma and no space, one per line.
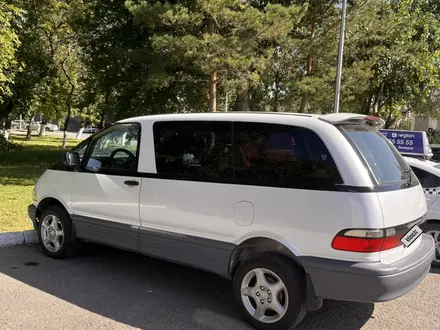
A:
294,208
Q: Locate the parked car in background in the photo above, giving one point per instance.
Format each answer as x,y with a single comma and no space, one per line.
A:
17,124
435,151
428,173
35,126
293,208
52,128
90,129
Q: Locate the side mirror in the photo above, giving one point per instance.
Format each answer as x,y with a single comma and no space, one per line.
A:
72,159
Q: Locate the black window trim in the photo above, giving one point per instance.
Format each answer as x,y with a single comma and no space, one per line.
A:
170,176
331,188
106,171
247,182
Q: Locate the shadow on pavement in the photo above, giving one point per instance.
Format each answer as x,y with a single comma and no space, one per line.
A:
151,294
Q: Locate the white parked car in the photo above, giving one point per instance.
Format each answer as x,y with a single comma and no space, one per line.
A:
16,124
90,129
428,173
52,128
36,126
293,208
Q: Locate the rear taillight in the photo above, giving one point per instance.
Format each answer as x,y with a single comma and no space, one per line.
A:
367,240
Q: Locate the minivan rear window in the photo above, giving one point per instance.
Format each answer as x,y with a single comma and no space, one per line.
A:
384,161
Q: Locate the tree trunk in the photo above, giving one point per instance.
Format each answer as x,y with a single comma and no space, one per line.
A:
226,101
79,134
277,91
242,102
29,130
378,96
66,123
302,107
43,129
390,120
102,123
212,75
213,91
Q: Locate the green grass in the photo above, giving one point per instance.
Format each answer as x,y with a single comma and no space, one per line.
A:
18,174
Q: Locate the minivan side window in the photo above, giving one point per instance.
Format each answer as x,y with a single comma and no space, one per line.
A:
384,161
427,180
115,150
199,150
81,150
282,155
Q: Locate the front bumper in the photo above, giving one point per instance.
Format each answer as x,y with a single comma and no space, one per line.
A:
370,282
32,212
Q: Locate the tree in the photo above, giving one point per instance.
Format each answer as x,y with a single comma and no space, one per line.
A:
220,43
394,48
64,51
9,43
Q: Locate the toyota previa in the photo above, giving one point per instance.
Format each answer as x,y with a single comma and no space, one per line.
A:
293,208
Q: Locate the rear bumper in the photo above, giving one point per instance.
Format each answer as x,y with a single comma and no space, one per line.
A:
370,282
32,211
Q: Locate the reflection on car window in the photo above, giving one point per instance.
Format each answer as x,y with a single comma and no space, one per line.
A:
81,150
385,162
199,149
115,149
256,153
282,154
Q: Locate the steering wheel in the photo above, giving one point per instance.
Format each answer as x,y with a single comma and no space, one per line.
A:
131,157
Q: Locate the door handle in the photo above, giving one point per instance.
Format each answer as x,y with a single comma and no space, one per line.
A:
131,183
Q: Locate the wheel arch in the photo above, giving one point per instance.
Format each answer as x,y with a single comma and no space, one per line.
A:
45,203
260,244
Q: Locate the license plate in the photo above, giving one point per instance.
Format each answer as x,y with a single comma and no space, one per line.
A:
411,236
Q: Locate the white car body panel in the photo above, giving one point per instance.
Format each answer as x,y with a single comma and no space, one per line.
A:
105,197
55,184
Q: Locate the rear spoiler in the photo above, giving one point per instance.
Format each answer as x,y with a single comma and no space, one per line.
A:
352,119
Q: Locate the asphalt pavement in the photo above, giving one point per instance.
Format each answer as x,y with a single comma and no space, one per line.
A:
111,289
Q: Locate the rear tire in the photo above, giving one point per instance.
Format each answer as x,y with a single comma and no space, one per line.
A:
55,233
270,292
433,229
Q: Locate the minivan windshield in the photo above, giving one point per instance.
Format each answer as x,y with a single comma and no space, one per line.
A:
384,161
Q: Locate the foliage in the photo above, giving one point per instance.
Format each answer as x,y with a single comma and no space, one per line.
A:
19,172
7,147
9,42
107,60
399,54
232,40
434,136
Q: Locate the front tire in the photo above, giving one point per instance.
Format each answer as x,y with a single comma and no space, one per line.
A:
55,233
270,292
433,229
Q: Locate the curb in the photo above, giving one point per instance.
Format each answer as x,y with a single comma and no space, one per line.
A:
18,238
